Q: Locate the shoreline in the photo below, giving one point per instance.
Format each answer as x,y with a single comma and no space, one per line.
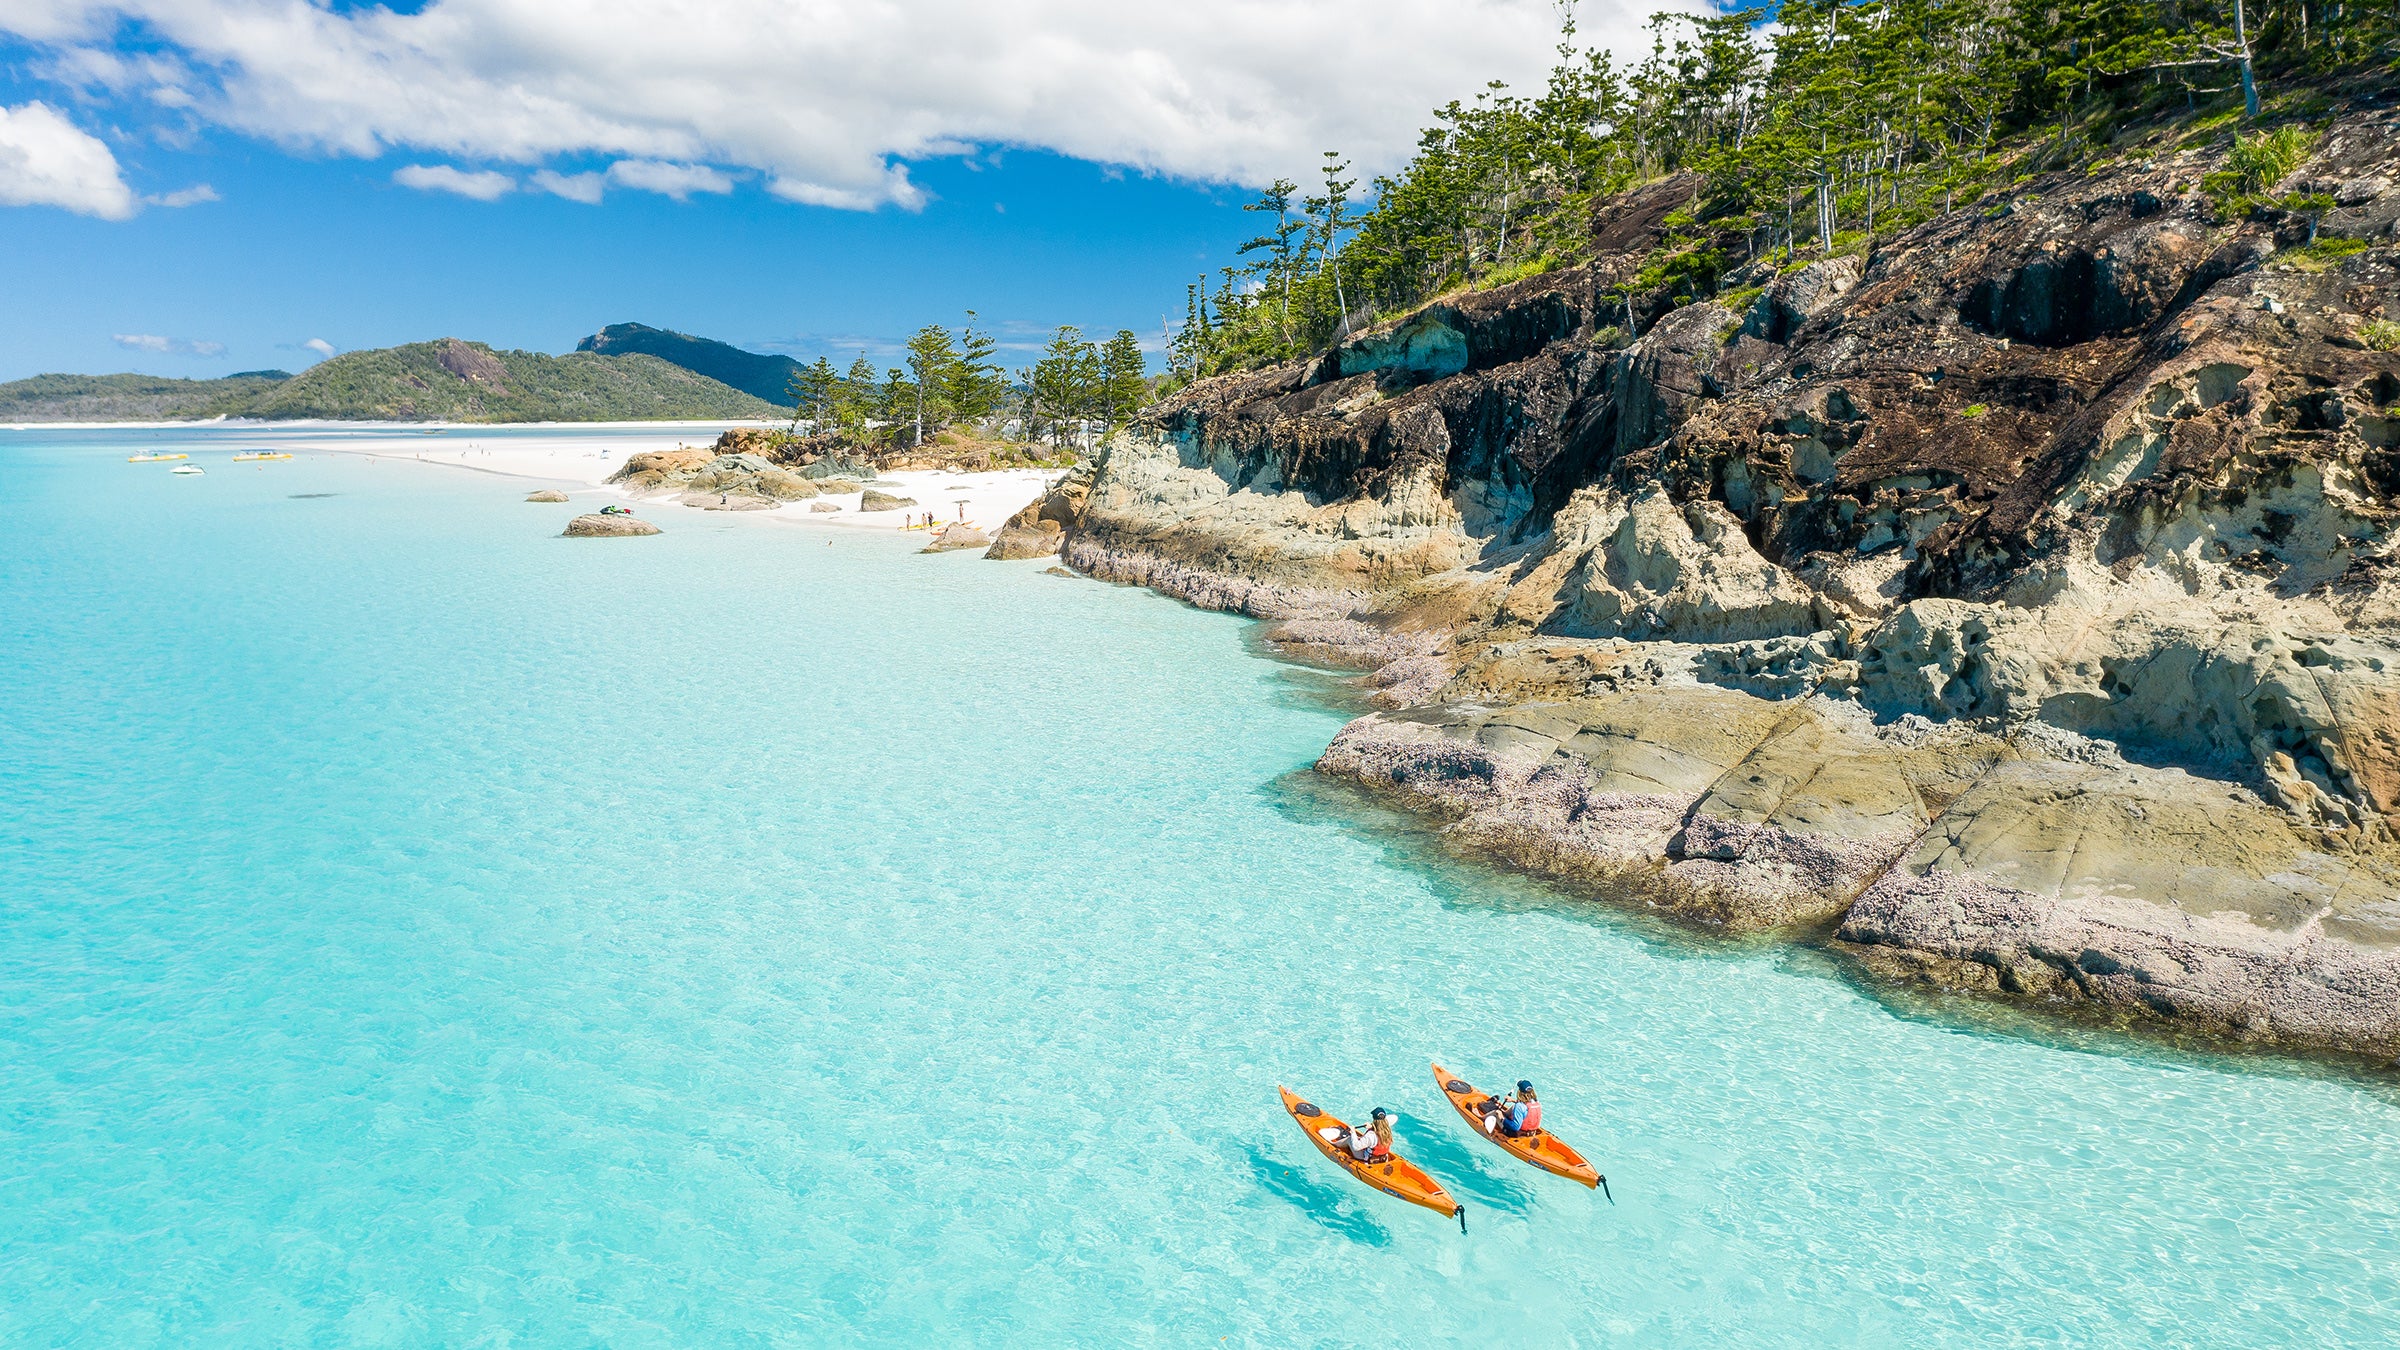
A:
985,499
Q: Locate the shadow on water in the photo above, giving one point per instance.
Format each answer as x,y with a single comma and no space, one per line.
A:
1462,1168
1334,1209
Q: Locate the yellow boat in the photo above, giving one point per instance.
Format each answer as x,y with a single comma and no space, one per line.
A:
152,459
248,456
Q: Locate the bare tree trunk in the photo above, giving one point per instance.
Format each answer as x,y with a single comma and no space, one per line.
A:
2241,38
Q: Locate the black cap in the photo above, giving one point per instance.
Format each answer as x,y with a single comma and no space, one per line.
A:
1524,1085
1379,1113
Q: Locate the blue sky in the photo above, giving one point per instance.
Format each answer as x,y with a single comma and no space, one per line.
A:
297,249
195,187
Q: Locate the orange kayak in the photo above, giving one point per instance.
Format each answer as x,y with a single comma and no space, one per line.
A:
1397,1177
1542,1148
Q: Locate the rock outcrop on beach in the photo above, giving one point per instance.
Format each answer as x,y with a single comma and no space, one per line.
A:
751,475
659,471
597,526
689,474
2016,605
872,500
1040,530
546,495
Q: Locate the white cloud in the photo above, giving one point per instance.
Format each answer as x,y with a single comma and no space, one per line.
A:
191,196
484,185
45,160
320,346
575,187
679,181
828,99
158,345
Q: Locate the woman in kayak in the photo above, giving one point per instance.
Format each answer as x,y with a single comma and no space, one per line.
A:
1372,1143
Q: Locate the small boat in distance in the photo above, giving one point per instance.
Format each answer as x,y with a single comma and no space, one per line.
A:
153,459
1396,1176
250,456
187,468
1541,1148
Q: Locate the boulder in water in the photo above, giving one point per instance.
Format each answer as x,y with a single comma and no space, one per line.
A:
956,535
597,526
546,495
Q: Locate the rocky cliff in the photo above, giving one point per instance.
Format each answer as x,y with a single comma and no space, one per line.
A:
2012,603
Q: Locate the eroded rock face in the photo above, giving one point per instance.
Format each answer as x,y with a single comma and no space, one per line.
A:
2061,529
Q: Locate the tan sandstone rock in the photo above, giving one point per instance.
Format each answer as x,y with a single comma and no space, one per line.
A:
597,526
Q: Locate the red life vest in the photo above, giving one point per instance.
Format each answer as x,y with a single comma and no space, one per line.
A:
1533,1118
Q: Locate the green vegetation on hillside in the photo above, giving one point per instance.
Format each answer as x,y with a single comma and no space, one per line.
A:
447,380
128,398
1841,122
459,381
756,374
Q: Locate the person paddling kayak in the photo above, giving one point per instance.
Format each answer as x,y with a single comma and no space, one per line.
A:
1517,1118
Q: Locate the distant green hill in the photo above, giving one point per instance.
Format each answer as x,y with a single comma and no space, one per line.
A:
128,398
448,380
458,381
767,377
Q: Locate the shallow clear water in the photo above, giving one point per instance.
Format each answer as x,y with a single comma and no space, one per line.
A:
418,929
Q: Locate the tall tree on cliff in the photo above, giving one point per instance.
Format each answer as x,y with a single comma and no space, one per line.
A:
1329,213
1281,260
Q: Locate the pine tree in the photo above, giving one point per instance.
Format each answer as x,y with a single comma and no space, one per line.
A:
974,385
1281,260
932,358
1066,381
855,397
1124,381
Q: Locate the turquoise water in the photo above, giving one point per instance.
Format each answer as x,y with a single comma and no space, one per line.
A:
416,929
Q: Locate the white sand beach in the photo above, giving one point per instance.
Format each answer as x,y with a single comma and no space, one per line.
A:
578,458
